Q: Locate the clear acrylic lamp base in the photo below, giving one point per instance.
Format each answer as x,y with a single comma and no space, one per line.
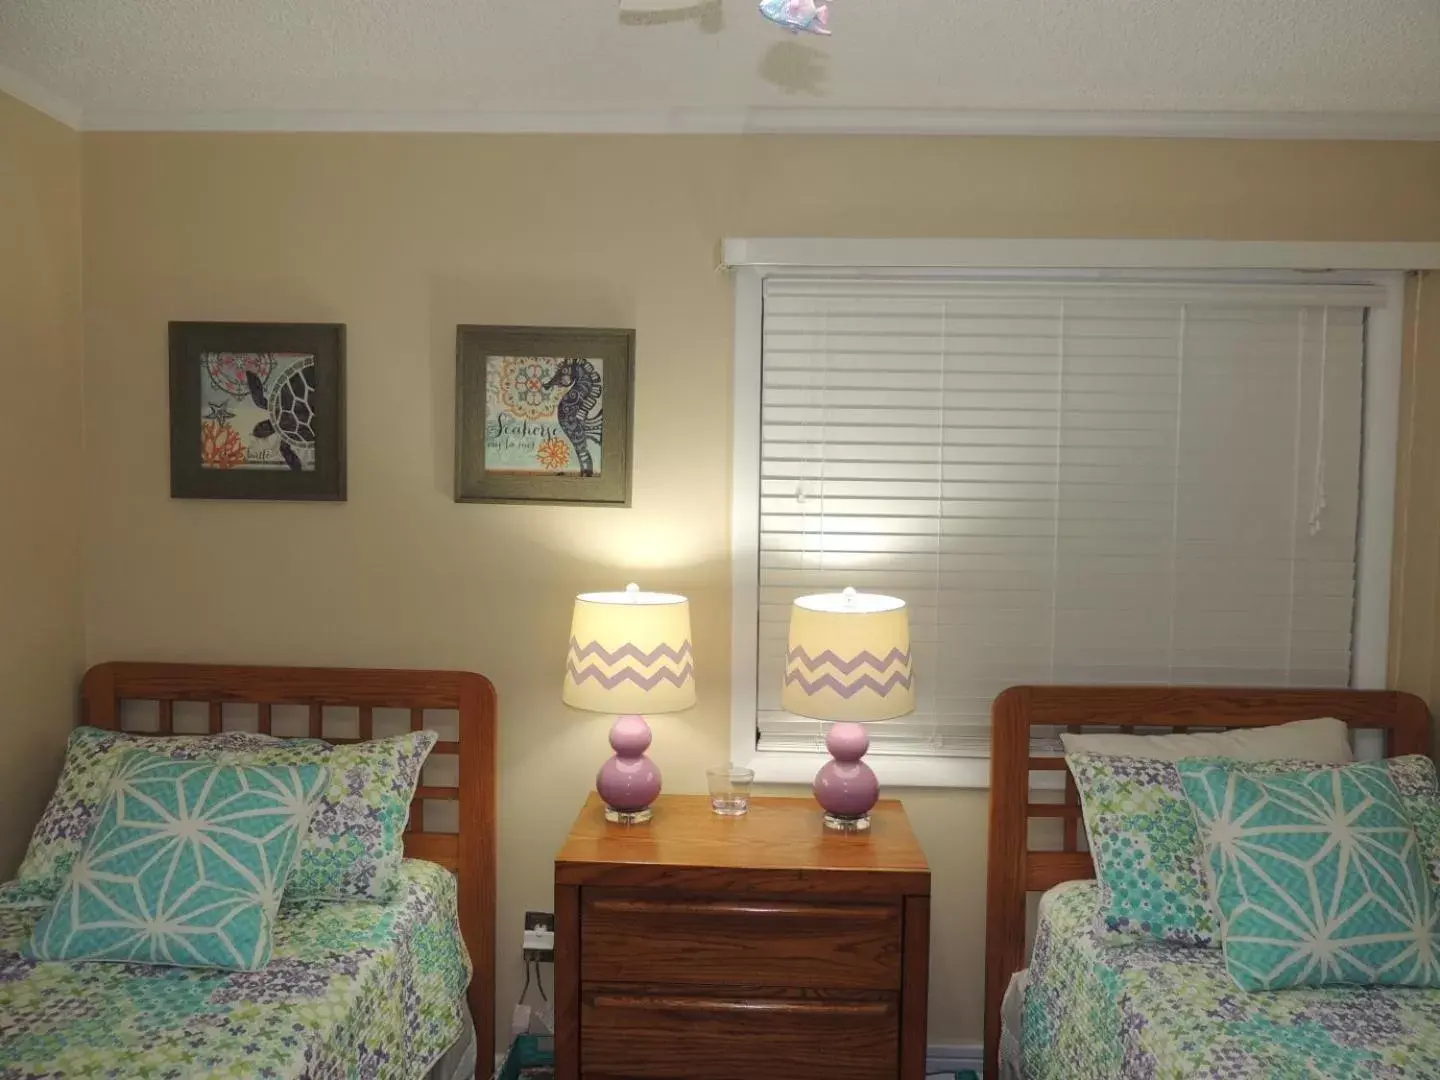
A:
630,817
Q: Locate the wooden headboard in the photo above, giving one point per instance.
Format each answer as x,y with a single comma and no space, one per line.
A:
1015,870
469,852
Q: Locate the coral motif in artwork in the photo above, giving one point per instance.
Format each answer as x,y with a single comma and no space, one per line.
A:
220,446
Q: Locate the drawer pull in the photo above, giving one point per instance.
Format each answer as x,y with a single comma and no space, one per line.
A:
743,908
730,1005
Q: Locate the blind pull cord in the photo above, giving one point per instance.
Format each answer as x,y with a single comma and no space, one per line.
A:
1318,498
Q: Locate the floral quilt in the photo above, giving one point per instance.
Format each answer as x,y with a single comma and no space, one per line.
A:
1154,1011
353,990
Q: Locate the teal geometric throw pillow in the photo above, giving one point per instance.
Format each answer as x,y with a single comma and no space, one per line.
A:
185,866
91,758
1318,877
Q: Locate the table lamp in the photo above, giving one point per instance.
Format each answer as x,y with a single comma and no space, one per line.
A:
630,653
849,661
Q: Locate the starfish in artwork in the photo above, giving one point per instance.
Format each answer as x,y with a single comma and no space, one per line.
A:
220,412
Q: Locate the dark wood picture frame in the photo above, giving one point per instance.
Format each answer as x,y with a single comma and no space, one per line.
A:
474,345
189,479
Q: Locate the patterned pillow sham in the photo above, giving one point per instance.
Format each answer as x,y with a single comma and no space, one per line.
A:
91,758
185,866
1149,858
355,846
1319,877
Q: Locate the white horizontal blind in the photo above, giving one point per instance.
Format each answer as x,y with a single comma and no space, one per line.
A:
1067,481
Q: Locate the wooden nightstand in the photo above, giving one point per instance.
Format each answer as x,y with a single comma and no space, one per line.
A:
700,947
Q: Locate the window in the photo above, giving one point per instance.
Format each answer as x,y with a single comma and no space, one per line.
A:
1084,478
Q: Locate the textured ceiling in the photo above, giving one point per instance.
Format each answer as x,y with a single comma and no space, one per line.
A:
188,63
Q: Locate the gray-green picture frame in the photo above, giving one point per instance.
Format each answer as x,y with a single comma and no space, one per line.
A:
190,479
475,346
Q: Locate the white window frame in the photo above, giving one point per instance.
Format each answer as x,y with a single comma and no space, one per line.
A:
754,260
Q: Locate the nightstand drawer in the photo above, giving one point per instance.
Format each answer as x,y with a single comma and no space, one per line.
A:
806,944
670,1036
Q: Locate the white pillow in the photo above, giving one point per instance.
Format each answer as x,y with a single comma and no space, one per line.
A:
1323,740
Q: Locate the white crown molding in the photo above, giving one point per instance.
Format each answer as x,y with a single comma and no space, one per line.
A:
789,121
25,89
812,253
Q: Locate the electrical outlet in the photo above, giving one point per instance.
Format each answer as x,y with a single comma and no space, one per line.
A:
540,936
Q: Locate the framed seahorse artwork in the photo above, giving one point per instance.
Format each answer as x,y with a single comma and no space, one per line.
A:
543,414
257,411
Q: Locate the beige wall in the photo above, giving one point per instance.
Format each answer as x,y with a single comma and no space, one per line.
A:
402,237
1415,592
42,494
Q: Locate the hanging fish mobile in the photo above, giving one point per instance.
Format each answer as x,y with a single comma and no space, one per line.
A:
798,15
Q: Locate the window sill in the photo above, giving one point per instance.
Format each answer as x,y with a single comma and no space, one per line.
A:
894,771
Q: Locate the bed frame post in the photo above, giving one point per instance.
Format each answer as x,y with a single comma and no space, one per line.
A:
477,859
1005,872
99,706
1411,732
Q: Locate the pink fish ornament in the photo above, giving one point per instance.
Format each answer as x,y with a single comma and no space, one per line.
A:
798,15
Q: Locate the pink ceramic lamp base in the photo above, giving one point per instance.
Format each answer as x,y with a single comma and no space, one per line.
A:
629,782
845,786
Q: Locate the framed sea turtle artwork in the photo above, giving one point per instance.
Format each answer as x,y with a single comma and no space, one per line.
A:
543,415
257,411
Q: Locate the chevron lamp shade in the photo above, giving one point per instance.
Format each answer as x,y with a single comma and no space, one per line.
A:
849,658
630,653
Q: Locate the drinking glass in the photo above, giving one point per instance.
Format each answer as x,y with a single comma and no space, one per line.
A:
730,789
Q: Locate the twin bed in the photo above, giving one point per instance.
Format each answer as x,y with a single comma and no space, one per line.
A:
1083,1010
396,989
405,988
